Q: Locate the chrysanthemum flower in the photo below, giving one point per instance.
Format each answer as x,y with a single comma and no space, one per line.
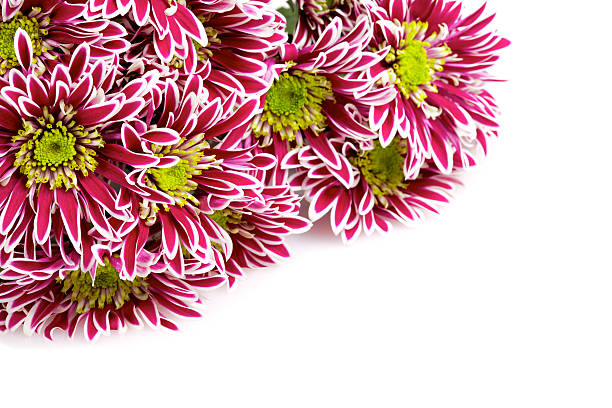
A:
57,154
315,15
370,189
46,295
51,29
178,131
436,67
174,24
241,37
252,233
312,90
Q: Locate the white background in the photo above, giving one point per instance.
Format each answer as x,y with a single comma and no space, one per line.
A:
504,300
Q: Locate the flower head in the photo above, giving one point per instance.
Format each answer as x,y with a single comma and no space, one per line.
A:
370,189
59,133
237,40
105,288
382,168
46,296
253,233
189,165
315,15
313,89
172,21
436,68
42,33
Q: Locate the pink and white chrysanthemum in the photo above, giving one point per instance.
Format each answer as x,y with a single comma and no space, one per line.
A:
253,233
437,66
49,30
174,24
56,164
241,37
179,131
315,15
312,88
370,189
48,295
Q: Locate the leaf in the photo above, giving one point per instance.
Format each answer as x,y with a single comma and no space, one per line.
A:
291,14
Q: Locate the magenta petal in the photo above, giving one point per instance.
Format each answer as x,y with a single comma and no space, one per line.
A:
170,238
148,308
91,330
176,308
164,47
129,110
97,114
341,211
162,136
324,149
23,48
101,320
37,90
122,155
176,263
44,203
30,265
8,119
70,212
442,154
13,208
323,202
131,248
78,62
141,11
101,193
168,324
344,174
242,114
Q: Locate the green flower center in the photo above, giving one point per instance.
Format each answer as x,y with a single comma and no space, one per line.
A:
383,168
225,217
55,147
106,276
179,181
293,103
106,289
287,95
412,66
55,151
416,62
8,29
171,178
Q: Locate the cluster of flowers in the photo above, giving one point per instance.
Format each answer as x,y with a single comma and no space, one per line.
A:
153,149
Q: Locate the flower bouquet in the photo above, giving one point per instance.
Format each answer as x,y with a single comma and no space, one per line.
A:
155,149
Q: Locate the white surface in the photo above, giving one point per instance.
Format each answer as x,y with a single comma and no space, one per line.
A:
502,301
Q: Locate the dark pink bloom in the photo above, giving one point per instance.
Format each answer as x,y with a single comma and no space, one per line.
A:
57,159
252,233
240,38
370,188
315,15
313,88
174,24
45,32
47,295
436,67
191,167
